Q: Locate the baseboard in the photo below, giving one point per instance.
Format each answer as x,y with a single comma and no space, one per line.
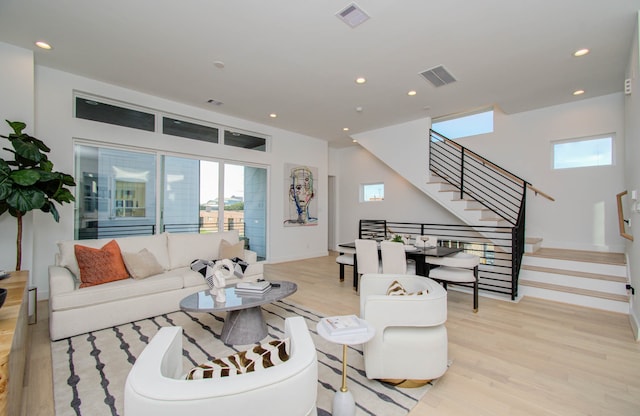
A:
634,322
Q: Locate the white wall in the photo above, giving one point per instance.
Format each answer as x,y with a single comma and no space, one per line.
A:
56,125
584,215
632,173
403,202
16,90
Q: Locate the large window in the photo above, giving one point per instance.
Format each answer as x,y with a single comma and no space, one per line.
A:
124,192
116,192
464,126
119,195
590,151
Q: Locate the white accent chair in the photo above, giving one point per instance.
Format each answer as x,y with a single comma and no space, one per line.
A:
345,258
411,338
456,268
394,259
156,384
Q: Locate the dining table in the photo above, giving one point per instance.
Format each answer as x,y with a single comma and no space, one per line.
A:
418,254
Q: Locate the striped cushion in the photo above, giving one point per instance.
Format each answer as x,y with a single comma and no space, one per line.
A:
396,289
255,359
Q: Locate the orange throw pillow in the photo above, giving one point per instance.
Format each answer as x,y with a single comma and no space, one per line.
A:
100,265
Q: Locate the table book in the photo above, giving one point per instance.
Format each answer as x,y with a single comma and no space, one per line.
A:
253,287
344,325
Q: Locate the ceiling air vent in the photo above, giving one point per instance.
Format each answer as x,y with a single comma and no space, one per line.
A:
352,15
214,102
438,76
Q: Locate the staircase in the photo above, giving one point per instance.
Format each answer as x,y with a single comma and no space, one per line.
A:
593,279
468,209
490,199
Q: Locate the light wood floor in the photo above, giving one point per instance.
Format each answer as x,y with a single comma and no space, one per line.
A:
531,358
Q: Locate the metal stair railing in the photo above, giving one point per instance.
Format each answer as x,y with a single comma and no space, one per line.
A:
492,244
477,178
495,188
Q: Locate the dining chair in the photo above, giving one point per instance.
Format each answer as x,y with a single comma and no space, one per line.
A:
367,258
457,268
394,259
345,258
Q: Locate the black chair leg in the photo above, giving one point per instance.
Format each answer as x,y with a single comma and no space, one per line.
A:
475,290
341,272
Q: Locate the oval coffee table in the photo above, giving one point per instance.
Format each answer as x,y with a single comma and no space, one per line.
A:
244,323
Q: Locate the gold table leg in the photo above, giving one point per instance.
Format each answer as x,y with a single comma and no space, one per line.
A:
344,369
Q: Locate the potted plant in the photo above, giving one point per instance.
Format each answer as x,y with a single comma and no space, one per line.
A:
28,181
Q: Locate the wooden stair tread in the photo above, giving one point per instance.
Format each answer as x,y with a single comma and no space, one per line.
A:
533,240
575,291
580,255
576,273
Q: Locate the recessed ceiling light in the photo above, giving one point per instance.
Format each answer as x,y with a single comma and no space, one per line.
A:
218,64
43,45
354,141
361,80
581,52
345,129
273,115
412,93
578,92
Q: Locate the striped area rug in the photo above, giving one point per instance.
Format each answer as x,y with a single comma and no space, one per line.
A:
90,370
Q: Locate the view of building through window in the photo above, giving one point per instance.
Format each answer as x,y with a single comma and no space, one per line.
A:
372,192
120,193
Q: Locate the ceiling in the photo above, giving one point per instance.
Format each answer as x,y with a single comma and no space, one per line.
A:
297,59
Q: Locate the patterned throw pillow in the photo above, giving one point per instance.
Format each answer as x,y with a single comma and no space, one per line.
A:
100,265
396,289
257,358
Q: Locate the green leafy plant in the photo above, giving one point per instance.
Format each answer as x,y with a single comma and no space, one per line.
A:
28,182
397,239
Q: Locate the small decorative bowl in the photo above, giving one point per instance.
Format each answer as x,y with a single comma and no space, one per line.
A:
3,296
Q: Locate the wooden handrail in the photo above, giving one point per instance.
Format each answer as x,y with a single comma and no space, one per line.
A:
495,167
536,191
621,217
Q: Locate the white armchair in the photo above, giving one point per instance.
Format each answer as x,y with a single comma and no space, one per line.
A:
156,384
411,339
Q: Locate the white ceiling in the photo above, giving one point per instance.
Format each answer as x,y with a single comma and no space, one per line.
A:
297,59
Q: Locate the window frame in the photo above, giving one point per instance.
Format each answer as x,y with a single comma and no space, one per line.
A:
462,116
610,136
363,192
160,115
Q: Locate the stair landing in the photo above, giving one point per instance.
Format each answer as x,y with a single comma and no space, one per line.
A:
580,255
587,278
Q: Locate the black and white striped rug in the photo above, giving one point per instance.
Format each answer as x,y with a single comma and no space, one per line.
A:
89,370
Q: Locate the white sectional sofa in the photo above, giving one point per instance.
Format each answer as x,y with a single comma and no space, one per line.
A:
74,310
